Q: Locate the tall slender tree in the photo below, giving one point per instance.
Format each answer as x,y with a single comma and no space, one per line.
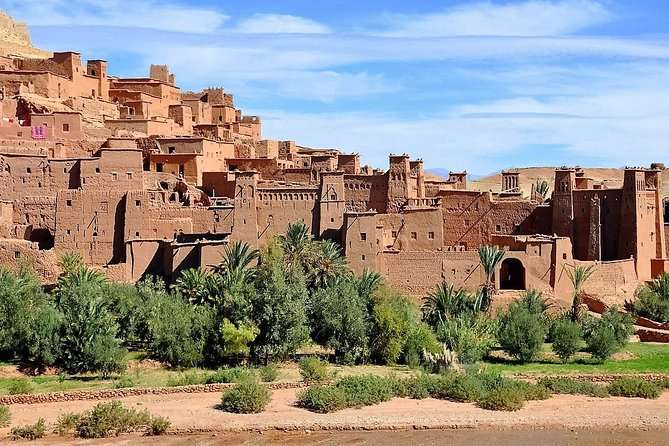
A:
490,257
578,275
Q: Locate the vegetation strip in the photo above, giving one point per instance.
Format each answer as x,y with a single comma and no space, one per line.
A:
102,394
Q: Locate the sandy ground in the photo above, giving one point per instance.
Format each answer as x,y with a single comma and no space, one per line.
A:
196,413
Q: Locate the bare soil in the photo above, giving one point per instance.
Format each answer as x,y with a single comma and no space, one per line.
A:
193,415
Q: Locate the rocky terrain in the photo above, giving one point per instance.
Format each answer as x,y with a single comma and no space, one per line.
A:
15,39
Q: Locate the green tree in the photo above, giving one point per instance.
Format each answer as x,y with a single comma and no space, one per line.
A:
578,275
178,331
393,318
567,338
237,267
489,257
89,332
521,331
652,300
339,319
236,338
326,264
279,307
296,243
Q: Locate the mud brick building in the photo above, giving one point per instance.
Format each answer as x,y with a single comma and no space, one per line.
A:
142,178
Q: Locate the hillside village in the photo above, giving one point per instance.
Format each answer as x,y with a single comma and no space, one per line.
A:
141,178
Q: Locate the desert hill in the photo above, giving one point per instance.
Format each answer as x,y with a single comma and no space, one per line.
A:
15,39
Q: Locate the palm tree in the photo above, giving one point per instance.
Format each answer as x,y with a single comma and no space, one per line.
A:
327,264
236,266
490,257
445,302
193,284
296,243
660,286
578,275
70,261
367,284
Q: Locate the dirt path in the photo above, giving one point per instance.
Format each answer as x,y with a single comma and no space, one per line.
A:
193,413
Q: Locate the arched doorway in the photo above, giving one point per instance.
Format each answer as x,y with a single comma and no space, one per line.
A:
512,275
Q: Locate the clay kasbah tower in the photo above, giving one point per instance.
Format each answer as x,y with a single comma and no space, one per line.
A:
141,178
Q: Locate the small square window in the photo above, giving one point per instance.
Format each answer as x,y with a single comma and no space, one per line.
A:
414,236
28,170
363,257
66,128
64,169
498,228
68,202
97,170
332,220
430,235
114,176
172,149
363,236
67,231
564,256
17,254
129,175
137,234
138,203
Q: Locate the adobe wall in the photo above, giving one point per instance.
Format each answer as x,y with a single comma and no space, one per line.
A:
268,168
366,192
277,208
15,253
120,169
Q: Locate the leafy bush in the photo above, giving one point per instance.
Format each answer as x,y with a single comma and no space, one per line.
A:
66,423
111,419
338,317
569,386
269,373
606,336
322,398
566,338
124,382
19,386
634,387
231,375
352,391
521,332
314,370
470,337
393,317
89,340
457,387
246,397
5,416
652,300
420,339
418,387
30,431
365,390
158,426
502,398
178,331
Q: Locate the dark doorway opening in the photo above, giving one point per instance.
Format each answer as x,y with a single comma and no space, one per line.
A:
43,238
512,275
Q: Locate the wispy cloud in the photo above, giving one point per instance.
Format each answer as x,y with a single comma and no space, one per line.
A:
148,14
280,24
528,18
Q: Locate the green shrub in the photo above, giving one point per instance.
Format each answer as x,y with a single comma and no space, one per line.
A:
187,379
322,398
5,416
421,338
110,419
124,382
471,337
19,386
418,387
314,370
607,335
521,331
269,373
394,316
158,426
231,375
566,338
458,387
502,398
30,431
365,390
246,397
66,423
652,300
529,392
569,386
634,387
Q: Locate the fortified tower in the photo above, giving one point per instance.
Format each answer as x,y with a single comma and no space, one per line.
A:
563,202
332,204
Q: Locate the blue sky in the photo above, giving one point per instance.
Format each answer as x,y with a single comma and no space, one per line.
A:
476,85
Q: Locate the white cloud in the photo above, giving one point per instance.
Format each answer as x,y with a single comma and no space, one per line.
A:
280,24
528,18
148,14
